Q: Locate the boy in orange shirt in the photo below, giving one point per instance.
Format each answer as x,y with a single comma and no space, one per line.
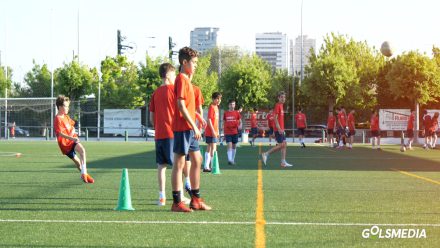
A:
186,134
351,128
375,131
301,125
231,125
331,121
279,132
211,132
68,140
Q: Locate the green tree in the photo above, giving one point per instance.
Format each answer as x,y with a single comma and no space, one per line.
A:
5,83
38,82
205,80
248,81
120,84
75,80
414,78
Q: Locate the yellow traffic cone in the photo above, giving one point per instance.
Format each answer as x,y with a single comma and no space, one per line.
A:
215,165
124,200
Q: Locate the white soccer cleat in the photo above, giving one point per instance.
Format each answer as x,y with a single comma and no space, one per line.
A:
185,200
264,157
161,202
285,164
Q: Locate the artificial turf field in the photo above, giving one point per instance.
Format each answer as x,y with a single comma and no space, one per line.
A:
326,200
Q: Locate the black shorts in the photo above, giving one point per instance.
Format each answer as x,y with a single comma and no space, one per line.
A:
164,151
270,131
330,131
301,131
280,137
410,133
375,133
254,131
232,138
71,154
351,133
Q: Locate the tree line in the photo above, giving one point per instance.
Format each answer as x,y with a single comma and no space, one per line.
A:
342,72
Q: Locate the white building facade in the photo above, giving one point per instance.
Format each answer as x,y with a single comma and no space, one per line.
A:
273,48
204,39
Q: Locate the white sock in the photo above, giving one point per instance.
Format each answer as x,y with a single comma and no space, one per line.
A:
207,160
187,182
229,155
84,169
161,195
234,151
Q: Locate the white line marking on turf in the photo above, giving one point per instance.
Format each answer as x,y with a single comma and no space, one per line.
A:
221,223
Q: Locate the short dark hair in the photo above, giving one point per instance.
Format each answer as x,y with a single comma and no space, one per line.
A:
216,95
187,53
255,109
231,101
165,68
61,99
280,93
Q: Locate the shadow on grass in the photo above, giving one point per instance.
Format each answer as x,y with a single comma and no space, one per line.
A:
311,158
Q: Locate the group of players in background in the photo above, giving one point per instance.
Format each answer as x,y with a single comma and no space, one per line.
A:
177,116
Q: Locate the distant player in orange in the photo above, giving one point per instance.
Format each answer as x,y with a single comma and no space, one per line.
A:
212,134
270,124
186,134
231,125
434,127
351,128
301,125
161,115
427,129
331,121
13,130
68,140
279,132
342,126
375,131
410,129
254,126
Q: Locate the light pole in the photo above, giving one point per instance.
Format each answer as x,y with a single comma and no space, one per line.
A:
99,105
147,112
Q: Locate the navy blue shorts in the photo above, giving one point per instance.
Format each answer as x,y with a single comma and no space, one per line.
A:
164,151
232,138
330,131
351,133
254,131
301,131
280,137
184,142
210,140
270,132
72,152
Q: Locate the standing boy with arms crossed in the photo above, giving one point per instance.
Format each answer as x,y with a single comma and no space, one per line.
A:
231,124
186,134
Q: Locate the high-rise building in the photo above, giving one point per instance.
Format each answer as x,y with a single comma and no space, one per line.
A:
272,47
204,39
295,53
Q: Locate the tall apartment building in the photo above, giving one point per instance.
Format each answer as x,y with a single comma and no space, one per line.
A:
295,53
272,47
204,39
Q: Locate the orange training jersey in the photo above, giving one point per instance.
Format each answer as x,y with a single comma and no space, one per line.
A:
279,114
213,116
183,89
342,119
351,121
270,120
162,106
331,122
231,119
411,119
198,95
254,120
374,126
63,124
300,120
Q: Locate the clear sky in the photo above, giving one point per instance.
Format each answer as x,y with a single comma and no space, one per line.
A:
47,30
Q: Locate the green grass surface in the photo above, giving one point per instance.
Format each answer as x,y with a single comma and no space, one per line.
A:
321,202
